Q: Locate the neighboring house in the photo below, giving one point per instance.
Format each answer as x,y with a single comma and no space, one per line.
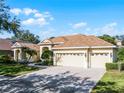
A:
20,55
5,47
80,51
119,43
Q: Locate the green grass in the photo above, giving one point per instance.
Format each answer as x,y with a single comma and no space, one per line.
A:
15,69
111,82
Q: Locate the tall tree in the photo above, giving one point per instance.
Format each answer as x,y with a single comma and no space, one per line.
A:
26,36
108,38
7,23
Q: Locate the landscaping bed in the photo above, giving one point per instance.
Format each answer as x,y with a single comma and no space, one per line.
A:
15,69
111,82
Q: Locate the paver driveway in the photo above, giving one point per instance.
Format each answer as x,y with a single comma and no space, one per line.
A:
53,80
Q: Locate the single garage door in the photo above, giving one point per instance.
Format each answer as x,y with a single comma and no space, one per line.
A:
98,60
74,59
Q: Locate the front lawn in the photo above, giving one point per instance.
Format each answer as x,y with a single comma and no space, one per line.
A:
112,82
15,69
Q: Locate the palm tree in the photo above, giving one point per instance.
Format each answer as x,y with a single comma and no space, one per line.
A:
30,52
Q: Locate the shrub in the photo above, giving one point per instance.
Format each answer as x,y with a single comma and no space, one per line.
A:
122,66
47,57
114,66
120,54
106,87
5,58
111,66
45,63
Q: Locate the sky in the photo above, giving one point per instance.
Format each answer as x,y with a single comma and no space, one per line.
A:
48,18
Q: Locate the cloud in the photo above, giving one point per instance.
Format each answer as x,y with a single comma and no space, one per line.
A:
38,15
50,32
110,29
16,11
35,16
28,11
33,21
79,25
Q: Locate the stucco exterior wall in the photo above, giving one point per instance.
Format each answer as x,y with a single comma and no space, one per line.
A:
83,56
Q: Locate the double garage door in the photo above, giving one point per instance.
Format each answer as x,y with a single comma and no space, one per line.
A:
97,60
74,59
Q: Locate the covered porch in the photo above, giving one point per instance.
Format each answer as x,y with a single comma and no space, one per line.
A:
21,56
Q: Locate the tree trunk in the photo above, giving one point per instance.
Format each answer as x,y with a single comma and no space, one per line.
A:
29,58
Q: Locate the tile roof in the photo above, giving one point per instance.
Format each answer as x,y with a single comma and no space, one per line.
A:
29,45
79,40
5,44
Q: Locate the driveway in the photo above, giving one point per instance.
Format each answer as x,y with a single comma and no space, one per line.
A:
53,80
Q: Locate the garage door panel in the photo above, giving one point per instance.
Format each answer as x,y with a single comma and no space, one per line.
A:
76,60
99,60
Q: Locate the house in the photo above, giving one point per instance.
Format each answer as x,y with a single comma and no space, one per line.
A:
119,43
5,47
19,53
79,50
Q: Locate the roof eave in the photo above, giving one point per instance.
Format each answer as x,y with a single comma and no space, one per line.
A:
86,47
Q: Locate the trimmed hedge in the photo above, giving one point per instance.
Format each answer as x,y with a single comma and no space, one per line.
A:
111,66
114,66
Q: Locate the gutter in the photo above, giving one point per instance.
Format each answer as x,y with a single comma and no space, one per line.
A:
86,47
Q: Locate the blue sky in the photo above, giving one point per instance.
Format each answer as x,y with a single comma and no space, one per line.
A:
48,18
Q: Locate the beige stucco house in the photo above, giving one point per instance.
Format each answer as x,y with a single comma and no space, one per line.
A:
20,55
80,51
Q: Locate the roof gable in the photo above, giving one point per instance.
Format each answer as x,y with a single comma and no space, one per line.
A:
16,45
29,45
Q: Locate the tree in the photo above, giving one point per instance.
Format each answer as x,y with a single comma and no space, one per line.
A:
120,37
26,36
108,38
30,52
120,54
47,56
7,23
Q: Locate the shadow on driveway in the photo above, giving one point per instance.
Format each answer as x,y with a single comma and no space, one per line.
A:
59,83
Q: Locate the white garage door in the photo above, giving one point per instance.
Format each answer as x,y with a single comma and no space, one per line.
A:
98,60
75,59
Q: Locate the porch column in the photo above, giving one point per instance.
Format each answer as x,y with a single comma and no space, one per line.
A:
20,54
15,55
